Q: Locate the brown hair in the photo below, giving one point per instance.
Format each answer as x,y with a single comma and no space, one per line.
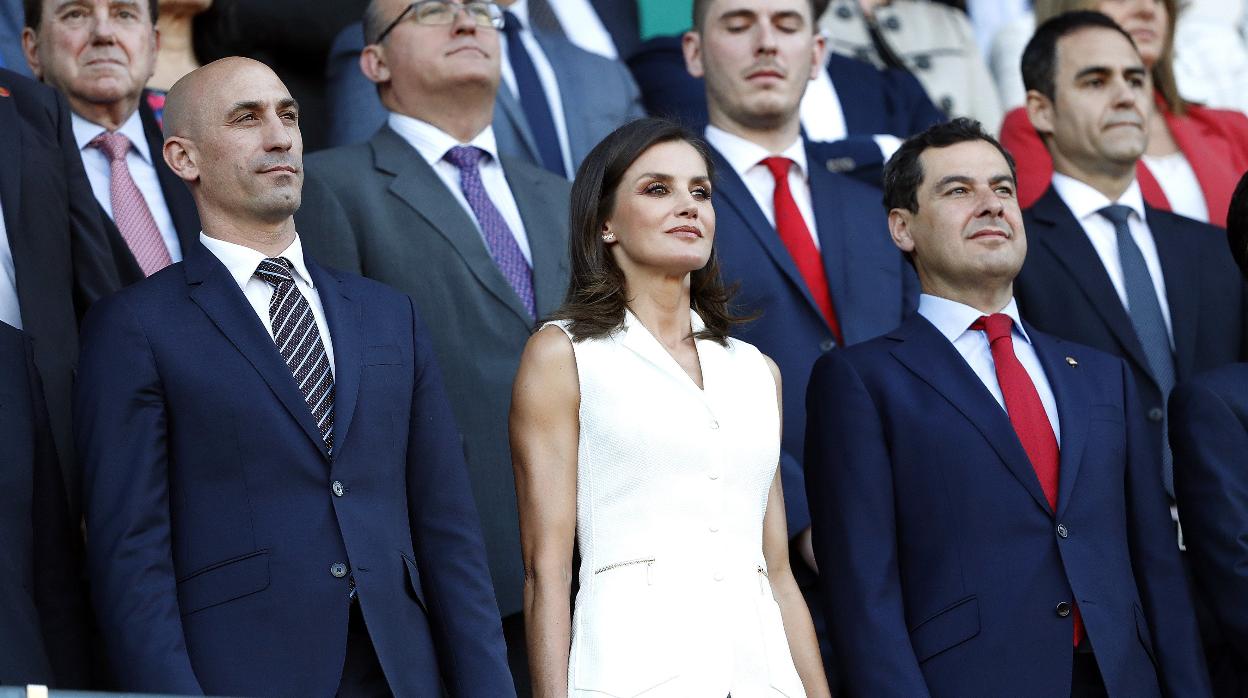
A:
1164,81
597,292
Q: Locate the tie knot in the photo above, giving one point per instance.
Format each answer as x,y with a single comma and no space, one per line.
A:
778,165
1117,214
275,270
113,144
511,24
465,157
997,325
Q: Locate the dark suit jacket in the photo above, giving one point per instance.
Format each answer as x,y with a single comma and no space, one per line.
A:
356,110
407,230
947,561
43,611
211,523
872,287
177,198
1209,435
60,252
622,23
1065,290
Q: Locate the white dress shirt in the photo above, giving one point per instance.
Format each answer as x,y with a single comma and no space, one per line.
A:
954,319
242,262
433,144
10,310
824,120
1178,182
746,157
1084,202
545,73
588,31
142,171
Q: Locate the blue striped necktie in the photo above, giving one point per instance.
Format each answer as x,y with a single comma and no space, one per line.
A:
299,342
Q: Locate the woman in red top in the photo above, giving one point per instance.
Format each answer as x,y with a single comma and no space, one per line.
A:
1196,154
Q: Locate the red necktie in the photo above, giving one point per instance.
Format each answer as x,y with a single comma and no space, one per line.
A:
801,246
1026,411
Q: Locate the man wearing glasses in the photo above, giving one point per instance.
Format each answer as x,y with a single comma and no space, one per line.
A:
477,240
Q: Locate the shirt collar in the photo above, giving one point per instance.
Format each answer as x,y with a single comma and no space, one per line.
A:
742,154
1085,202
242,261
520,8
85,131
433,143
953,318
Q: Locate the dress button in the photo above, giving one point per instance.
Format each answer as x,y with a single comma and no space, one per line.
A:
827,344
719,576
713,476
714,424
338,569
1061,531
714,528
338,489
1155,414
1063,609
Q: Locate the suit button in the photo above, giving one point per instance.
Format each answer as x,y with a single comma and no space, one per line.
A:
1061,531
1063,609
338,569
827,345
1155,414
338,489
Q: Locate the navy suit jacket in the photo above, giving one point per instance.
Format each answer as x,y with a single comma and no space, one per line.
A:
177,197
947,563
1209,435
1064,290
872,288
43,610
212,520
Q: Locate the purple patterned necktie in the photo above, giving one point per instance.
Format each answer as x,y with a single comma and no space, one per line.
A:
130,212
503,247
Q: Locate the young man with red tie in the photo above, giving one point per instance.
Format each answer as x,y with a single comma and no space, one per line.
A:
989,520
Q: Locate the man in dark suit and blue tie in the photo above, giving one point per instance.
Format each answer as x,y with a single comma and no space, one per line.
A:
1107,270
990,522
809,247
1209,433
275,492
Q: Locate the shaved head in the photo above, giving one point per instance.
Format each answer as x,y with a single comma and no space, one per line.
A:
232,133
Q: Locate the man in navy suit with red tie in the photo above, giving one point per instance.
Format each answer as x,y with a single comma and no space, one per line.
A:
275,491
989,522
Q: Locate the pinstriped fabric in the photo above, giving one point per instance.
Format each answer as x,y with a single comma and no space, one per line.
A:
299,342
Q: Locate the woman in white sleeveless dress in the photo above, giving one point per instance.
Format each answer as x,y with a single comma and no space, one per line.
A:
649,439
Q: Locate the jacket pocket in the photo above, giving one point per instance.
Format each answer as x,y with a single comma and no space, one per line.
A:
413,583
224,581
946,629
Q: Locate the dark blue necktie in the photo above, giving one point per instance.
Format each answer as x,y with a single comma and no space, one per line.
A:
1144,307
533,98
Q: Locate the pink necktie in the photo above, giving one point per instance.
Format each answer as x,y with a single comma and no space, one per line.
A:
130,211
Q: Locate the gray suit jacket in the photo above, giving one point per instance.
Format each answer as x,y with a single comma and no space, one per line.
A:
378,209
598,96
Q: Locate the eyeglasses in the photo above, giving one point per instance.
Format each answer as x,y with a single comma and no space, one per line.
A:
432,13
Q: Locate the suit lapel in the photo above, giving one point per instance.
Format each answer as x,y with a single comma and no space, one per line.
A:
1070,391
1179,268
548,249
177,197
1062,234
417,185
508,108
926,352
344,317
733,193
218,295
11,172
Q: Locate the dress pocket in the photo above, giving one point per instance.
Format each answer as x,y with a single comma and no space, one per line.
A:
623,641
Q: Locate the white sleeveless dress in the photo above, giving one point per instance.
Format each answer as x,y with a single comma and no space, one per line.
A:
672,484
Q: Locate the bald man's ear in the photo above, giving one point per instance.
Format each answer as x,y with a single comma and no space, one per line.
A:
899,229
1040,112
182,157
373,64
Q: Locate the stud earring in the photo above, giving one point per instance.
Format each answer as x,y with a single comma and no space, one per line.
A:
609,237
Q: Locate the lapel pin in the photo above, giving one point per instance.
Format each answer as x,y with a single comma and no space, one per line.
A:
1071,360
4,92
